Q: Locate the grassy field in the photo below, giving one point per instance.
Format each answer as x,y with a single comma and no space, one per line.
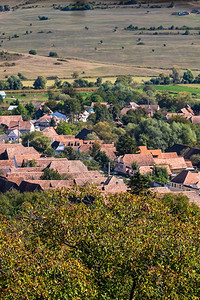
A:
118,53
177,89
27,97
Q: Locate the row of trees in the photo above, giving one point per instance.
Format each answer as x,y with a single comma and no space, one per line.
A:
14,83
5,7
175,77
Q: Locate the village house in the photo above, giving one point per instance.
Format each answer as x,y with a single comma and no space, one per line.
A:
185,180
114,185
45,121
147,159
5,120
51,133
185,112
13,136
123,164
176,164
21,126
59,116
150,109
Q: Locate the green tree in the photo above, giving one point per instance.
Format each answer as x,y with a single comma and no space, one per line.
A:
72,107
176,74
21,76
53,122
195,159
181,99
6,7
53,54
1,99
95,148
138,183
37,140
63,128
71,154
188,76
97,246
125,80
21,110
30,108
14,83
96,98
40,82
99,81
105,131
32,52
126,145
102,113
164,99
160,175
50,174
92,137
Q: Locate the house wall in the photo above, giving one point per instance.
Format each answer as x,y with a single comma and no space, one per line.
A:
120,167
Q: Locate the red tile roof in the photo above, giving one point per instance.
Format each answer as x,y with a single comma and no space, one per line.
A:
22,125
7,163
195,119
169,155
125,110
69,166
26,157
53,184
141,159
114,185
176,163
186,178
154,152
5,120
50,132
45,161
11,152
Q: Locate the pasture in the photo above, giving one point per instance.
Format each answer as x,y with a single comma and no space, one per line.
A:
27,97
177,88
98,50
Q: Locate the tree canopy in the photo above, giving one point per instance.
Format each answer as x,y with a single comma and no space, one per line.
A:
79,244
40,82
37,140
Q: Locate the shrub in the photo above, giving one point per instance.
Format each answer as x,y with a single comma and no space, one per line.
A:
43,18
53,54
33,52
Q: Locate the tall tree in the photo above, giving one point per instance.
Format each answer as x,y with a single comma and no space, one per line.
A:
40,82
176,74
14,83
126,145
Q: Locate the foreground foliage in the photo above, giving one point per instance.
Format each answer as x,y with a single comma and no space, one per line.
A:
82,245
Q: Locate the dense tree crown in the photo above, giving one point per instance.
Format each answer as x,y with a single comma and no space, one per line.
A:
40,82
82,245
